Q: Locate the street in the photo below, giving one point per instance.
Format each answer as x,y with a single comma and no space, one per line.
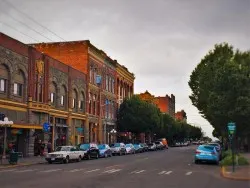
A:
173,168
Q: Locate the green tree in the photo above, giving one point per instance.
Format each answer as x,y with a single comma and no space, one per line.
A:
220,88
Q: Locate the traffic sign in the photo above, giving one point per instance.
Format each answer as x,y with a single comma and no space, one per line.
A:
46,127
231,127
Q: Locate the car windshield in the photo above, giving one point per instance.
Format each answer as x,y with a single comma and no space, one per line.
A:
102,146
63,148
116,145
206,147
128,145
136,145
84,147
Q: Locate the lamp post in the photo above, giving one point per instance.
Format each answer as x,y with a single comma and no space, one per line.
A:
5,123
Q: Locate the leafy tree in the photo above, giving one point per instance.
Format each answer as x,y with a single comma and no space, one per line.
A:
220,88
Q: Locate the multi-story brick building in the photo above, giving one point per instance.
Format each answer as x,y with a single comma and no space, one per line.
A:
37,89
166,104
181,116
106,78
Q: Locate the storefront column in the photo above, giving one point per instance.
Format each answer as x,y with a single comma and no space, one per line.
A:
30,142
53,133
70,133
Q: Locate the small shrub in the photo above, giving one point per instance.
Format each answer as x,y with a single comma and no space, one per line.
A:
226,153
227,161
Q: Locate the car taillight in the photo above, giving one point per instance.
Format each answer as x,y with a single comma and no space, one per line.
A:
197,152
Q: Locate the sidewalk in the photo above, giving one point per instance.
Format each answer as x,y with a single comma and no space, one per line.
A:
26,161
241,172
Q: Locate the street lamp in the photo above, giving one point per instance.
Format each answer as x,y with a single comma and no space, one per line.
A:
112,132
5,123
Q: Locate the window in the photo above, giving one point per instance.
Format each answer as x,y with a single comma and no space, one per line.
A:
2,85
110,84
73,103
52,98
90,74
18,89
107,82
113,85
94,79
62,100
90,103
94,104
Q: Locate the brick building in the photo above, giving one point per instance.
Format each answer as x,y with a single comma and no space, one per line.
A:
181,116
37,89
105,77
166,104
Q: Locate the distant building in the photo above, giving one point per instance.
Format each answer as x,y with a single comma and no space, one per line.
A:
181,116
166,104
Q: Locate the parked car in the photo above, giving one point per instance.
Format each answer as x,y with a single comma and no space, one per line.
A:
206,153
64,154
138,148
144,147
105,150
159,145
130,149
91,150
118,149
217,147
151,147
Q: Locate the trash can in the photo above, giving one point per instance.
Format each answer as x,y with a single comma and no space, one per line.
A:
13,158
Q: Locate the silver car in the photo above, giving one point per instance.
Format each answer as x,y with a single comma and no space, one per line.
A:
118,149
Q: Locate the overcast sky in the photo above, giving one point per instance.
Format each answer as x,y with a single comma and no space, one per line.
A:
161,41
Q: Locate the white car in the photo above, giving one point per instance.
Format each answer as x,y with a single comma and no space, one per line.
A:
64,154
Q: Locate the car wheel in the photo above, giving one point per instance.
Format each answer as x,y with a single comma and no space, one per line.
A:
97,156
88,157
79,158
105,155
66,160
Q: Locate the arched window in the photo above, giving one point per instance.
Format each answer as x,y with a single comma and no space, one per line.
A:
74,99
63,98
82,102
53,93
4,79
19,83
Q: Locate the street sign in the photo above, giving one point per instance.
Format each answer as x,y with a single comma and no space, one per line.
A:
46,127
231,127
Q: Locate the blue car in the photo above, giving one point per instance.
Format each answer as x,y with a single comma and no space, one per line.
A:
206,153
105,150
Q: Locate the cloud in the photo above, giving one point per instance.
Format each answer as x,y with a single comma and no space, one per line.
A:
160,41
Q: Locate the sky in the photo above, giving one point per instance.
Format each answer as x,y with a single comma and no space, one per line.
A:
160,41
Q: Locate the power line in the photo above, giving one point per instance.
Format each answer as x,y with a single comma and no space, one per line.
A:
19,31
32,19
27,26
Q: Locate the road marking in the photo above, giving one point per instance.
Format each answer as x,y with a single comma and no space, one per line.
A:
188,173
140,171
92,170
77,170
162,172
52,170
113,166
28,170
11,170
112,171
169,172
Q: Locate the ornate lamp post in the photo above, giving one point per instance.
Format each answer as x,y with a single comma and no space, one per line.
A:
5,123
113,131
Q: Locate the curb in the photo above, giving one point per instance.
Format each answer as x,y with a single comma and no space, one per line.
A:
21,165
224,175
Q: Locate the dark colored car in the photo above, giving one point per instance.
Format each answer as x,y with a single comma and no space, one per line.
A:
105,150
92,150
144,147
159,145
138,148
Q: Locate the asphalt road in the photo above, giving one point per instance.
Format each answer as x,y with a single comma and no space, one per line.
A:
173,168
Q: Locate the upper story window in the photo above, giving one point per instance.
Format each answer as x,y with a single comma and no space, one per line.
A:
52,98
90,103
95,74
63,92
2,85
82,102
113,85
107,82
90,74
53,93
18,89
74,99
62,100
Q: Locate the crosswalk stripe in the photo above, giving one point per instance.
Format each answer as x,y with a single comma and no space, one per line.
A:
112,171
28,170
162,172
140,172
92,170
188,173
169,172
77,170
52,170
